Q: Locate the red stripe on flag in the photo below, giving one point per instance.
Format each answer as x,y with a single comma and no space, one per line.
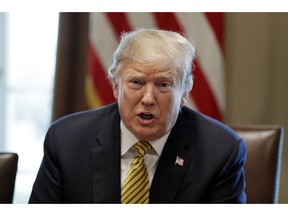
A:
119,22
216,23
201,93
203,96
168,21
98,75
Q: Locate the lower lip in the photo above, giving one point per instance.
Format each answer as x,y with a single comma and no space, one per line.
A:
145,121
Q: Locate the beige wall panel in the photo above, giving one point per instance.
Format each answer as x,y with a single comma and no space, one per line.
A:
256,51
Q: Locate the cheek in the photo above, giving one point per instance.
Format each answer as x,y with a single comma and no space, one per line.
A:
167,106
176,100
170,107
120,92
128,98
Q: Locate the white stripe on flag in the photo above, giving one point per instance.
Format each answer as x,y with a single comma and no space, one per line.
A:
141,20
209,53
103,38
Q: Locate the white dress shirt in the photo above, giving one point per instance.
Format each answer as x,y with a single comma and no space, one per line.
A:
128,152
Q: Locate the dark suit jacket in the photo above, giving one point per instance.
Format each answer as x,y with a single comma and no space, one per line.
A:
81,162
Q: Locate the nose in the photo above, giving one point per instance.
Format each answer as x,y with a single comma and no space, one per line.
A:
148,97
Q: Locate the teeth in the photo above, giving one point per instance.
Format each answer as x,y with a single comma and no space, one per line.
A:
146,116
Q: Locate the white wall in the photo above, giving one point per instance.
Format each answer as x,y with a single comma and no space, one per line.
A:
3,17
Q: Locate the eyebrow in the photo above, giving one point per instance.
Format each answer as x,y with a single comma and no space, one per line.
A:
134,72
158,74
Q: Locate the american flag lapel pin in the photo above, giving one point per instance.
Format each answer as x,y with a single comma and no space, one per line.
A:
179,161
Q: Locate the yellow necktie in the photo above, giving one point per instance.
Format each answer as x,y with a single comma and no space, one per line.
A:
136,185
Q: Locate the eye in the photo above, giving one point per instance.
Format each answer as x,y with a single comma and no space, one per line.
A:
135,83
164,86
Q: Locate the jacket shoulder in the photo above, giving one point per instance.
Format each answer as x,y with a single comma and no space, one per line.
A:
208,125
87,116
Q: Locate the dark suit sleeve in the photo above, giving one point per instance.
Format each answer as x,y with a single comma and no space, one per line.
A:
230,183
47,187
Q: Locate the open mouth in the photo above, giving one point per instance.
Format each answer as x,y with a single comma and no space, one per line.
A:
146,116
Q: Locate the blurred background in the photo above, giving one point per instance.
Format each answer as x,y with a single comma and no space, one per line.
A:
53,64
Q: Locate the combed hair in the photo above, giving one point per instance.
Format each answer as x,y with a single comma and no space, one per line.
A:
158,48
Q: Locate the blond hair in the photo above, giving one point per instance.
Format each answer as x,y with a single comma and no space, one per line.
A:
159,48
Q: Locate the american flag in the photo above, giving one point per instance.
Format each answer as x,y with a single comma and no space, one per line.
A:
179,161
205,29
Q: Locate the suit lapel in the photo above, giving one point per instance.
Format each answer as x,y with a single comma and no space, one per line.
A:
105,158
106,168
169,172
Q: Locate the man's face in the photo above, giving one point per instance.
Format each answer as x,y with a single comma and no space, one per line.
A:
149,99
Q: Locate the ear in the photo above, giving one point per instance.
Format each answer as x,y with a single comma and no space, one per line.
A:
185,95
115,85
183,99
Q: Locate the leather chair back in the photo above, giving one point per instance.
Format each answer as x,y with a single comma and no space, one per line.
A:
8,170
262,167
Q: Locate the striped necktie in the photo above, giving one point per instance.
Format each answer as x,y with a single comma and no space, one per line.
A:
136,185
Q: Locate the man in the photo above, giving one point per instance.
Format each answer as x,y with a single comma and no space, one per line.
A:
188,157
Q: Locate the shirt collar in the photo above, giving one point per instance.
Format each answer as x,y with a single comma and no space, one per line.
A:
128,140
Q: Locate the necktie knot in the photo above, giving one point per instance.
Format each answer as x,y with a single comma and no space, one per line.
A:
143,147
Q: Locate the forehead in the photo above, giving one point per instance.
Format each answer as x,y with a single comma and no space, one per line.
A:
144,69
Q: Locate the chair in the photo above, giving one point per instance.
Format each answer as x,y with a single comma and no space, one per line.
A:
263,164
8,170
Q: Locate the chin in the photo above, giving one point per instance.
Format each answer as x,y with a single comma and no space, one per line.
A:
141,135
147,136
